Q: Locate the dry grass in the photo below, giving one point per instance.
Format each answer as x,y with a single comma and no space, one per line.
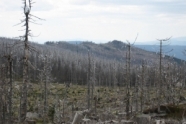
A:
109,102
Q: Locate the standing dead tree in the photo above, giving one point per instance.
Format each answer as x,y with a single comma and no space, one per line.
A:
8,55
23,106
142,85
45,77
128,77
27,49
160,84
88,85
46,72
3,94
128,68
90,81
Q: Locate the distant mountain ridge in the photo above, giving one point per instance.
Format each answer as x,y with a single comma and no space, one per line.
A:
178,41
170,50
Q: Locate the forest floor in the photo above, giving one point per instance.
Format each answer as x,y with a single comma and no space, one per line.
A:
107,103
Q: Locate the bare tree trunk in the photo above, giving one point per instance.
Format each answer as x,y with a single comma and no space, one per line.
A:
136,94
160,83
128,81
142,87
1,108
45,89
92,82
160,77
25,66
1,103
2,95
88,81
10,92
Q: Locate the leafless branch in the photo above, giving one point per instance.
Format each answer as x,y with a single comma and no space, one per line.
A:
166,39
37,17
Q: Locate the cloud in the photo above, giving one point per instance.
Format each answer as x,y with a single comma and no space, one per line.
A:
99,19
79,2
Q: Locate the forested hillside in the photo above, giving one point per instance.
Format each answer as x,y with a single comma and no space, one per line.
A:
69,62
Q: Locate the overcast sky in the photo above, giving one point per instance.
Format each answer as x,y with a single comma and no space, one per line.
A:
97,20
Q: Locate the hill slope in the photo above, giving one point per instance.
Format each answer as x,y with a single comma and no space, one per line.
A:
115,50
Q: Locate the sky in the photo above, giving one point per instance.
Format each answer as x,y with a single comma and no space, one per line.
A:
98,21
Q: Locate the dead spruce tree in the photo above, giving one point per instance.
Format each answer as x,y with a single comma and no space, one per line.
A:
47,71
3,95
142,85
90,81
160,83
27,49
128,77
93,84
137,89
128,65
23,106
45,77
7,52
8,55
